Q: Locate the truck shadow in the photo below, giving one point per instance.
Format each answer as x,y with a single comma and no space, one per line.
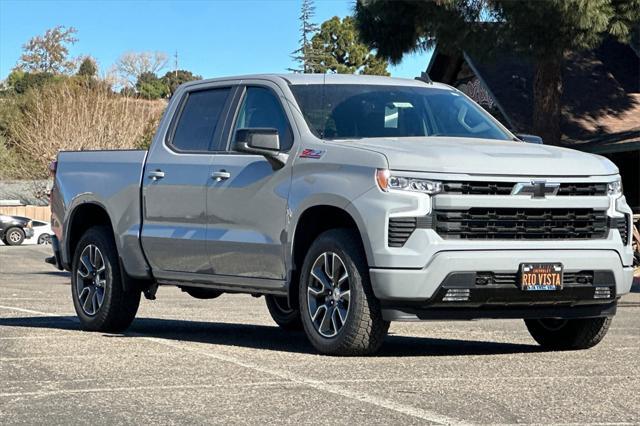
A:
273,338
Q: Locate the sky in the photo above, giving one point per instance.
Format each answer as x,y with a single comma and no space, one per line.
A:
213,38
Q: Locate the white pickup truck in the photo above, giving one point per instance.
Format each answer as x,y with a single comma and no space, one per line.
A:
349,202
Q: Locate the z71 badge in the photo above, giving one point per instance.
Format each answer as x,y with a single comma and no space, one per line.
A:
312,153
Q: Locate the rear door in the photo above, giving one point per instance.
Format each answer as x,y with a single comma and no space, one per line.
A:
175,180
247,209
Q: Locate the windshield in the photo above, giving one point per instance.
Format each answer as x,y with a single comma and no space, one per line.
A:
345,111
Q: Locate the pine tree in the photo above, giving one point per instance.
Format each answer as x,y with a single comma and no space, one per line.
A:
306,56
342,51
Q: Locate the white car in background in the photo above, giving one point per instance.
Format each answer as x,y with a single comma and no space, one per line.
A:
41,233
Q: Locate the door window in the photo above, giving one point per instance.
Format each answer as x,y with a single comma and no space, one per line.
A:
199,119
261,109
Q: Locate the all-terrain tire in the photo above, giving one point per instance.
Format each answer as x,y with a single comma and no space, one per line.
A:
286,317
364,329
571,334
119,307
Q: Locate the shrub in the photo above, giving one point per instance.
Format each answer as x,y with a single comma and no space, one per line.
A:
69,115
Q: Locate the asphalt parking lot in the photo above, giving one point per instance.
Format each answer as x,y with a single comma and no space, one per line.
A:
224,361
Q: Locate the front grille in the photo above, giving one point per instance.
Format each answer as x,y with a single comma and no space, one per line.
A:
505,188
622,225
520,224
401,228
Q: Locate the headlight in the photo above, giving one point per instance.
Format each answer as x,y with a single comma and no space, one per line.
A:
614,189
387,182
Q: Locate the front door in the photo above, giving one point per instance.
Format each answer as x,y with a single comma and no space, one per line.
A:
247,202
176,175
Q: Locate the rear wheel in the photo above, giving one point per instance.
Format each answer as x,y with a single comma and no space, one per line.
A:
340,313
96,284
14,236
44,239
284,315
562,334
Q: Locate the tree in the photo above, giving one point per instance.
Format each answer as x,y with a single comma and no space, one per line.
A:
22,81
173,79
306,56
50,52
132,65
149,86
544,31
88,68
342,52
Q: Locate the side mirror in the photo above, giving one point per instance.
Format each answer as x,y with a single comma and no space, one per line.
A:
530,138
261,141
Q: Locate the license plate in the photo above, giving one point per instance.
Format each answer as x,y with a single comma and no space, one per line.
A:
540,276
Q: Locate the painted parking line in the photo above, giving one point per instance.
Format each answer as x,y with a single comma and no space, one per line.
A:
140,388
408,410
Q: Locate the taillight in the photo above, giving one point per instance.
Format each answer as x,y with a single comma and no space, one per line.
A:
53,167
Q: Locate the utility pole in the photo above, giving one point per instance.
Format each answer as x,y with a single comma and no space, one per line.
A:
175,64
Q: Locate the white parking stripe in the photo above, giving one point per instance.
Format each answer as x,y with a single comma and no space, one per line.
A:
137,388
409,410
28,311
398,407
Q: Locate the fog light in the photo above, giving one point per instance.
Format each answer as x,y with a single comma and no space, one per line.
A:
457,295
602,293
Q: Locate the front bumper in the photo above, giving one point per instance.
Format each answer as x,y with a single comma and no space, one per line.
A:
28,232
421,284
421,293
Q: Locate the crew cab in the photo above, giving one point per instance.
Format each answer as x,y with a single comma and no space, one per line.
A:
348,202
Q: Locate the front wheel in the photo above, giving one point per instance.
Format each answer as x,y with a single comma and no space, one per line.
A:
563,334
97,290
14,236
340,313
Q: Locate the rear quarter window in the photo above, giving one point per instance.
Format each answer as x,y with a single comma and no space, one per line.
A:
198,120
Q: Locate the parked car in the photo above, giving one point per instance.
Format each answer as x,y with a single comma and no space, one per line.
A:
41,233
349,202
14,229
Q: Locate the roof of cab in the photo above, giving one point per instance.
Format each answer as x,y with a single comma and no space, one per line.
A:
302,79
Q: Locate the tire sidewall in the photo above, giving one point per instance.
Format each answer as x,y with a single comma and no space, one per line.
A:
287,319
325,243
10,231
95,237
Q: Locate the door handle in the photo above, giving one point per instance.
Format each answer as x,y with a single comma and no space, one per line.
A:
221,175
156,174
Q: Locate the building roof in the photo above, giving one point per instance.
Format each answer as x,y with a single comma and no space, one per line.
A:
601,93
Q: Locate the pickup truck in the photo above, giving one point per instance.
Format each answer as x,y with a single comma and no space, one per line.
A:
348,202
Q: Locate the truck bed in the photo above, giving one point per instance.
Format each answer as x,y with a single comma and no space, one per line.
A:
110,179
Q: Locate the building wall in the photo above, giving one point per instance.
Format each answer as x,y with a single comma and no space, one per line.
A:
41,213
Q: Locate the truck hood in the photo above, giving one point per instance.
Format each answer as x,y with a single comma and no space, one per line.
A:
485,156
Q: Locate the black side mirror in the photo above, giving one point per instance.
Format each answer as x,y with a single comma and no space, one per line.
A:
530,138
261,141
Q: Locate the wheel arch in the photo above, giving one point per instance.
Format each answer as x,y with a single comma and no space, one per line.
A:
87,215
310,223
81,218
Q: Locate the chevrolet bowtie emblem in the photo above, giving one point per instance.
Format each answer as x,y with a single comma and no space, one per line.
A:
536,188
